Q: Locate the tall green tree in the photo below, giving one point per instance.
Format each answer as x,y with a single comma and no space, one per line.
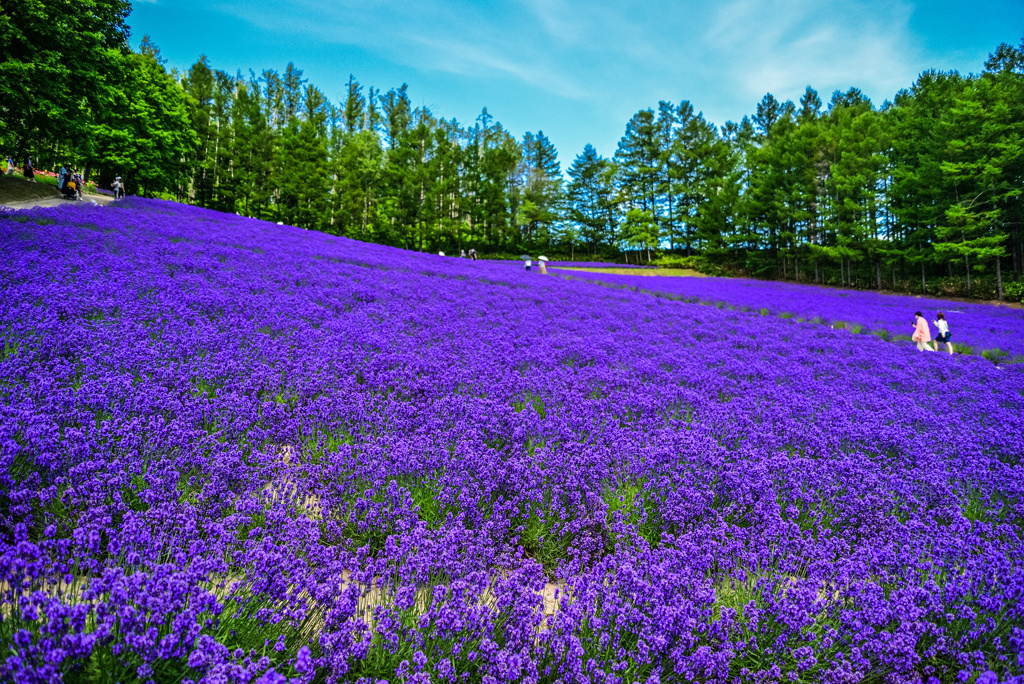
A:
638,159
591,198
984,152
543,192
143,131
59,65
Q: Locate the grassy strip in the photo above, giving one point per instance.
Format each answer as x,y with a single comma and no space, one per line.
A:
638,271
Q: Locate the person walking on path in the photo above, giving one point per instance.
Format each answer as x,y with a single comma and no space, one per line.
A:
922,333
10,165
118,186
943,335
29,172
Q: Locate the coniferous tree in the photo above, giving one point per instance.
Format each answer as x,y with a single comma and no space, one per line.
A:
253,150
638,158
198,84
542,188
590,198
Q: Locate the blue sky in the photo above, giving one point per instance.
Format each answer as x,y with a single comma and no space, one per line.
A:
578,69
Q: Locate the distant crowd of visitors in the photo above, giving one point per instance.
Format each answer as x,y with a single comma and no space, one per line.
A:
69,180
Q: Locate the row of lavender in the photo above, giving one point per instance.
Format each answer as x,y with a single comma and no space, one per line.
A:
232,451
976,328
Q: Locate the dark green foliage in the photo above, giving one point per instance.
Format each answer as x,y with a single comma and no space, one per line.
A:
56,59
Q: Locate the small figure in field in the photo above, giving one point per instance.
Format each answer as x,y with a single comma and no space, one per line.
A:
29,172
922,333
542,265
10,165
440,254
529,263
944,333
462,254
118,186
472,254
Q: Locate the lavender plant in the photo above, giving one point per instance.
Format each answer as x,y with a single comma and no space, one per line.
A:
238,452
994,331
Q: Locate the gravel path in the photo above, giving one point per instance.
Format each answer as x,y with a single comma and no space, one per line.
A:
55,202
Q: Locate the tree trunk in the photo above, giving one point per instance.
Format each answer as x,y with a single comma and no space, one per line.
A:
967,267
878,273
796,269
1015,249
924,286
785,274
999,281
816,279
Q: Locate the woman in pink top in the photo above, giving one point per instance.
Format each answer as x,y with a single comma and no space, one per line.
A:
922,333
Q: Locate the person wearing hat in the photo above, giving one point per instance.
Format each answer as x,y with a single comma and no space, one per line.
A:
542,264
118,186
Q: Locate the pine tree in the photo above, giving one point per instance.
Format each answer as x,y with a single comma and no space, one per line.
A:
590,198
198,84
984,150
253,149
638,158
542,189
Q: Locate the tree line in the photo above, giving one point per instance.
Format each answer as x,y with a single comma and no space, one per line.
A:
920,193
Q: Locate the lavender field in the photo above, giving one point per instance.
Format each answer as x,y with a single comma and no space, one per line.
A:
992,331
238,452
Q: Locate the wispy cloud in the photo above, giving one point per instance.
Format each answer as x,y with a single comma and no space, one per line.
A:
783,46
454,38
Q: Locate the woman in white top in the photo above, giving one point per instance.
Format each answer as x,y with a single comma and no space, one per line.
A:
943,335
